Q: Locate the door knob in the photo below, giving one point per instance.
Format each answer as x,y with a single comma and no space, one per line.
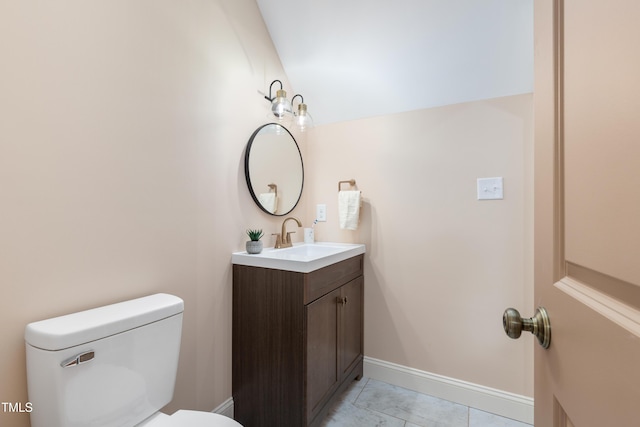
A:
538,325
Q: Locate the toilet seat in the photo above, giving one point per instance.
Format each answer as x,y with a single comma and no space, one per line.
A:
185,418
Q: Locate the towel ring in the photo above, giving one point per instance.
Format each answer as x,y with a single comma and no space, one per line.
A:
274,188
351,182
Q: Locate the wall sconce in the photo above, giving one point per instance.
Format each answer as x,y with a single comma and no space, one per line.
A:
280,105
302,118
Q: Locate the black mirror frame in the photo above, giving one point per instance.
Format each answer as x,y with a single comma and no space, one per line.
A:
246,169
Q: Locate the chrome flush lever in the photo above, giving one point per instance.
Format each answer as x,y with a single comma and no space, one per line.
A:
78,359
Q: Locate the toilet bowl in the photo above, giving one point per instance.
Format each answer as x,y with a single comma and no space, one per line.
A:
184,418
110,366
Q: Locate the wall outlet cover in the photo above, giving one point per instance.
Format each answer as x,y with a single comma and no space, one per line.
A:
321,212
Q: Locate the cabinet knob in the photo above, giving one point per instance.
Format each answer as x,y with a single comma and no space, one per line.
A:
342,300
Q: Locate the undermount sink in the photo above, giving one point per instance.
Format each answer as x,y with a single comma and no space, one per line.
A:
301,257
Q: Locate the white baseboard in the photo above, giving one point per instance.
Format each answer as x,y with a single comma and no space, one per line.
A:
486,399
225,408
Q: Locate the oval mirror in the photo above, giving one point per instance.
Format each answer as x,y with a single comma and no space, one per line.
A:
273,169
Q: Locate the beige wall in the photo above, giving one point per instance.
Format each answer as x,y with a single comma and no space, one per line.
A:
441,267
122,130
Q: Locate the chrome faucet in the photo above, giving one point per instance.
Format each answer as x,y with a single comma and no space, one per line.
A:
283,240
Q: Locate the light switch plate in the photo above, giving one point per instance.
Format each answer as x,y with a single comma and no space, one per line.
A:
490,188
321,213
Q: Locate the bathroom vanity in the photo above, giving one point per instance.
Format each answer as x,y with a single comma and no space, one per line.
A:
297,335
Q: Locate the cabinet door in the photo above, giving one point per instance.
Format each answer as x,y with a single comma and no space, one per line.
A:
322,350
351,316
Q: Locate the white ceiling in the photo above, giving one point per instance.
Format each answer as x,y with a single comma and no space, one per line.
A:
352,59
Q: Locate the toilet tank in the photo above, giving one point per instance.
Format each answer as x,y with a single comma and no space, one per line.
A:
110,366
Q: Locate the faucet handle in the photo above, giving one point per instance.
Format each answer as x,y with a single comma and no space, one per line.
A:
278,244
288,237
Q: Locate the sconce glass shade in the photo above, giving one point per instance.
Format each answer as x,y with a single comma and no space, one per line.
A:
302,118
280,105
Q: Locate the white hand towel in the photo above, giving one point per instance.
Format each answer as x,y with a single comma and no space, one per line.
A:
349,209
268,201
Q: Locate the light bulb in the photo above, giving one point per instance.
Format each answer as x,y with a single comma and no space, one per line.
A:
303,119
280,104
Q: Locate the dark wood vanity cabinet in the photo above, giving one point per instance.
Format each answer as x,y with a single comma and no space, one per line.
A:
297,341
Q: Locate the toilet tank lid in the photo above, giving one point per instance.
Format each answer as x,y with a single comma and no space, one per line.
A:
78,328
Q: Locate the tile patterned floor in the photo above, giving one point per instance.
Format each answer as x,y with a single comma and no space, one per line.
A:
369,403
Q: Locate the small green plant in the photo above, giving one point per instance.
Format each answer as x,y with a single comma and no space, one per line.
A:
255,235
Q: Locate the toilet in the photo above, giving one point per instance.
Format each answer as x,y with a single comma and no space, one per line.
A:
110,366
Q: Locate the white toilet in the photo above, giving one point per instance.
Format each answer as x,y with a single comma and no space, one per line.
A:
110,366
